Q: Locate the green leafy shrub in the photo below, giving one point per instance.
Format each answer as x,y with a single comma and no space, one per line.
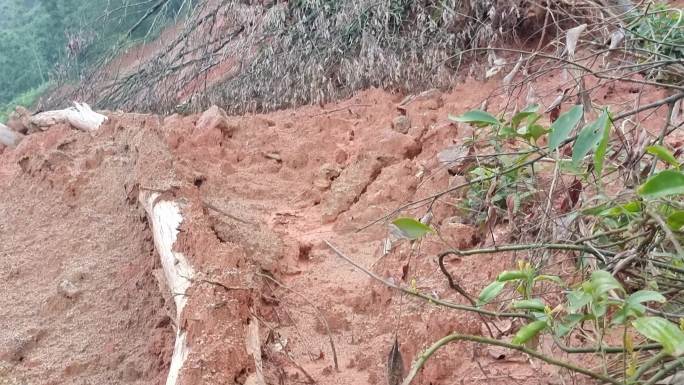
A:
660,30
639,234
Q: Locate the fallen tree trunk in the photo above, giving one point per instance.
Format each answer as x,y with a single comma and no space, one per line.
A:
165,217
8,137
81,117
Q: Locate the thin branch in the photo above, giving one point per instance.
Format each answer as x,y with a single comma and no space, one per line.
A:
450,279
646,366
531,246
423,296
670,235
318,314
603,348
423,357
665,371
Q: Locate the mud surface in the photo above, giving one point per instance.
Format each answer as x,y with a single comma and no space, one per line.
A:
81,303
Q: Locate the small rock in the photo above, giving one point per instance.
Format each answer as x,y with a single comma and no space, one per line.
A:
68,289
453,154
443,210
131,373
16,349
227,168
497,352
273,156
263,122
349,185
298,158
329,171
216,118
458,235
395,146
502,326
322,184
430,99
326,175
456,181
162,322
434,104
19,120
304,251
456,158
341,156
95,158
401,124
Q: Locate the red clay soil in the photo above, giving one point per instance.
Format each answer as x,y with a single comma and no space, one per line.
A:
81,303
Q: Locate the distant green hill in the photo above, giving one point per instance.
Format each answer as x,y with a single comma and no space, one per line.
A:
44,40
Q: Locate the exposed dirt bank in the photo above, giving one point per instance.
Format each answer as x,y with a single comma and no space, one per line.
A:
81,300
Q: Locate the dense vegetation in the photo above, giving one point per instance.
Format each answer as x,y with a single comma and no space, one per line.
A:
54,40
595,188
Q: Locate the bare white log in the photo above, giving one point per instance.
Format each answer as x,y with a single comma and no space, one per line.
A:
81,117
8,137
254,349
165,217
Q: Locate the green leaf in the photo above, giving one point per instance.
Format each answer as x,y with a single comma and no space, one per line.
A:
600,154
662,331
478,117
577,299
505,276
506,132
589,138
571,320
663,154
676,220
632,207
529,304
410,228
645,296
527,113
568,167
629,208
490,292
553,278
626,312
602,282
596,210
536,131
540,315
664,183
633,305
528,332
532,131
598,308
560,129
586,141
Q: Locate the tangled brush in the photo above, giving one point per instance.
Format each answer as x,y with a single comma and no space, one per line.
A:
249,56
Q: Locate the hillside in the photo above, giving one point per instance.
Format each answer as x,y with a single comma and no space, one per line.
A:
455,193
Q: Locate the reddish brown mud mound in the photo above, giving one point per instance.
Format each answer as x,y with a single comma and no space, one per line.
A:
84,300
80,302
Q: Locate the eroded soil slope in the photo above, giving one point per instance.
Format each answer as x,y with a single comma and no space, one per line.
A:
81,303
